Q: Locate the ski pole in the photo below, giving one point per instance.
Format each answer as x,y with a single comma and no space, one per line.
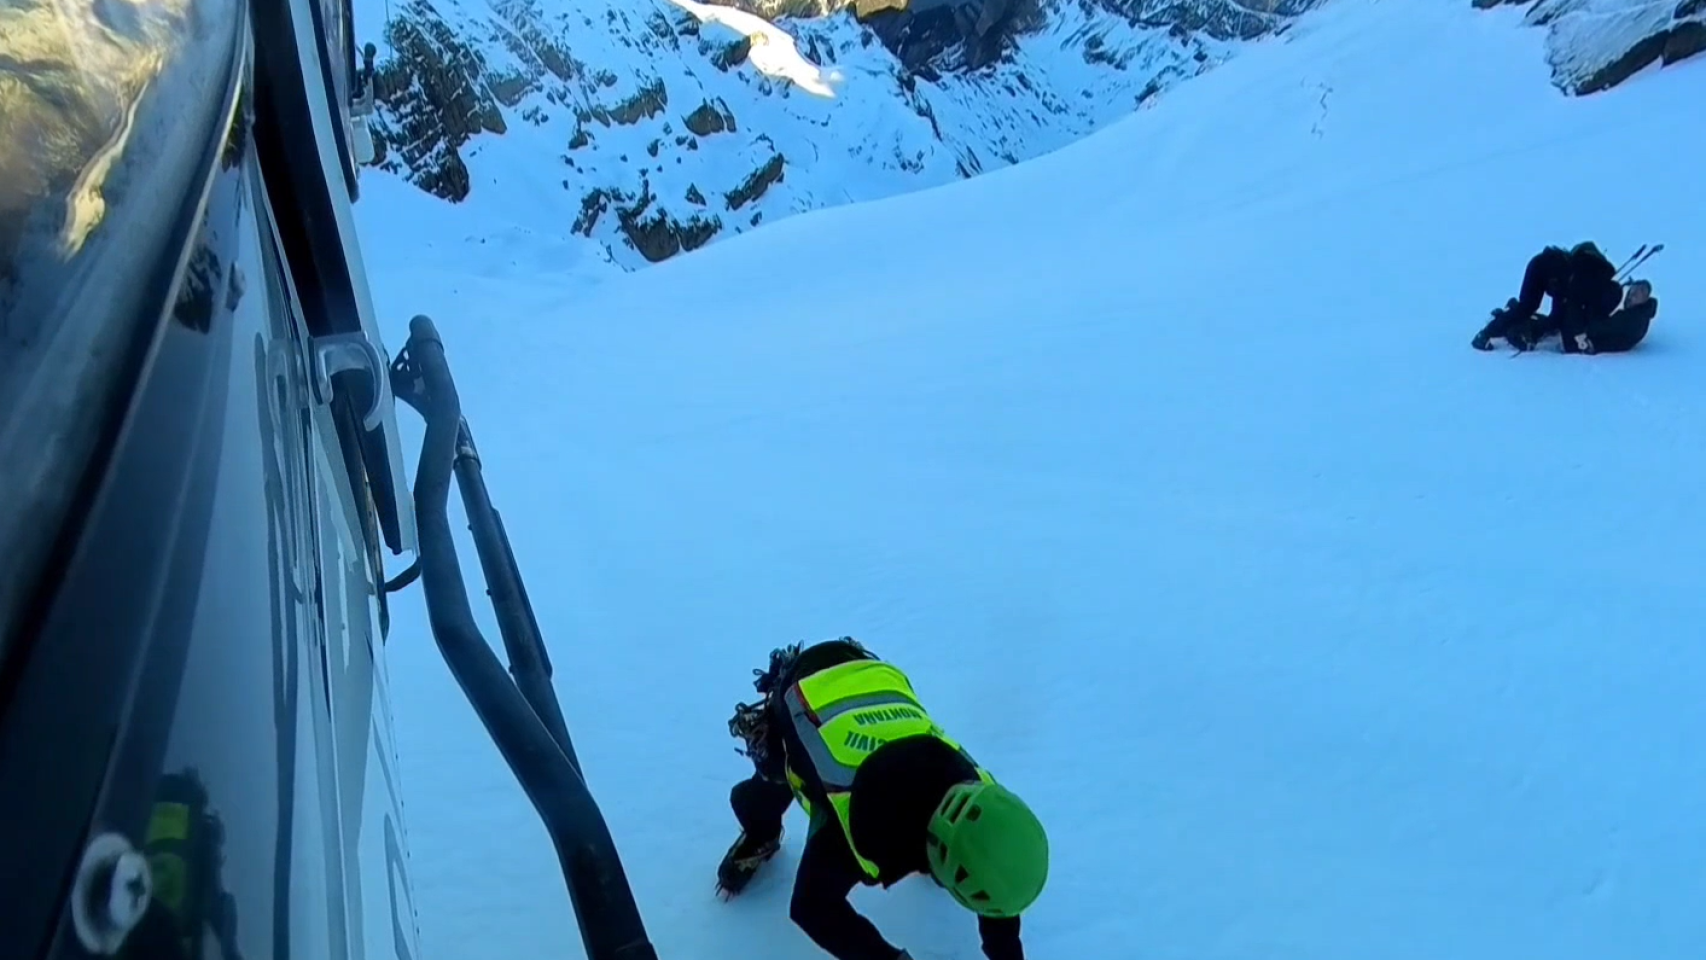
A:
1627,263
1642,257
1650,254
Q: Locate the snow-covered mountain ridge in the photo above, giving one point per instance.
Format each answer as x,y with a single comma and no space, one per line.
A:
1594,45
654,126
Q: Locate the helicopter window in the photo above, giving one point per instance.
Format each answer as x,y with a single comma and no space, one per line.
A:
99,186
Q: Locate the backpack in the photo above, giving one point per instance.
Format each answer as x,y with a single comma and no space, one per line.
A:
1593,279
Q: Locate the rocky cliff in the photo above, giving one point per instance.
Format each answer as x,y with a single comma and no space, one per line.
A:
1594,45
655,126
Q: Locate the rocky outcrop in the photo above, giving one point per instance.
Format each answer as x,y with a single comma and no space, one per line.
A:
754,185
707,119
1221,19
658,233
445,82
1594,45
932,36
435,92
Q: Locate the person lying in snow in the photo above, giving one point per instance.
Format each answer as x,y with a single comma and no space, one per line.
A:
1585,312
888,794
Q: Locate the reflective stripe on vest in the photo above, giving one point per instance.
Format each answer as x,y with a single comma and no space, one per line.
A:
844,713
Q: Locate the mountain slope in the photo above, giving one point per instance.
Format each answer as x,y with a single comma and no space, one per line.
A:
654,126
1163,465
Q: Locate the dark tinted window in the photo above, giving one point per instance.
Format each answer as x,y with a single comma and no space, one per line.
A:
111,116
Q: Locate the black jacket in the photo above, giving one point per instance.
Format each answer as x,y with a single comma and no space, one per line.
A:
894,795
1584,289
1623,329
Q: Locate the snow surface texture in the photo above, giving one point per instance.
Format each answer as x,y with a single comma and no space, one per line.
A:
1163,465
602,130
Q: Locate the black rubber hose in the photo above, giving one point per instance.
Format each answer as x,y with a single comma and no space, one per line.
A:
609,919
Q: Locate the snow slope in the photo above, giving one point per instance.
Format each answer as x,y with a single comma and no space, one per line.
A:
1163,465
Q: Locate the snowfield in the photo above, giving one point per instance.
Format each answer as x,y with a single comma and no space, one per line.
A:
1163,465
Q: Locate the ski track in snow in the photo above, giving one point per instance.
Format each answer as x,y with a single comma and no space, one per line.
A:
1164,467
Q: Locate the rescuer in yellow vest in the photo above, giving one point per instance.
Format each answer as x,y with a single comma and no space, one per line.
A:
888,794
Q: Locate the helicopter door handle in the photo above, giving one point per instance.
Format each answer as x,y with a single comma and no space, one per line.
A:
341,352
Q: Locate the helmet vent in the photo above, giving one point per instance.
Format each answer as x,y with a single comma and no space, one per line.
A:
953,806
974,813
960,876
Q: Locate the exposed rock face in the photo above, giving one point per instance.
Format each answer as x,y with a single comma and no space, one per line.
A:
930,36
1222,19
673,126
1594,45
440,86
435,95
754,186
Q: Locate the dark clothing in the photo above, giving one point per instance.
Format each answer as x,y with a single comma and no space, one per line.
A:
1511,326
820,908
1585,295
759,806
1618,333
894,795
1623,329
1581,283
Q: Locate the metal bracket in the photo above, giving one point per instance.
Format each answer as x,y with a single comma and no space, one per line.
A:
361,109
109,894
345,352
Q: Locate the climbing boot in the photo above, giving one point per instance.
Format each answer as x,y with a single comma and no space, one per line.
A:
742,862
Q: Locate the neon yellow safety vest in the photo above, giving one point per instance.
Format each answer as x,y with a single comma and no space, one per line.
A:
844,713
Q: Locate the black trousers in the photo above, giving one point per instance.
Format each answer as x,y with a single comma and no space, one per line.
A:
1548,272
759,805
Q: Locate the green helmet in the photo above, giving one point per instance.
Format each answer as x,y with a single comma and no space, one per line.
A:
988,848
